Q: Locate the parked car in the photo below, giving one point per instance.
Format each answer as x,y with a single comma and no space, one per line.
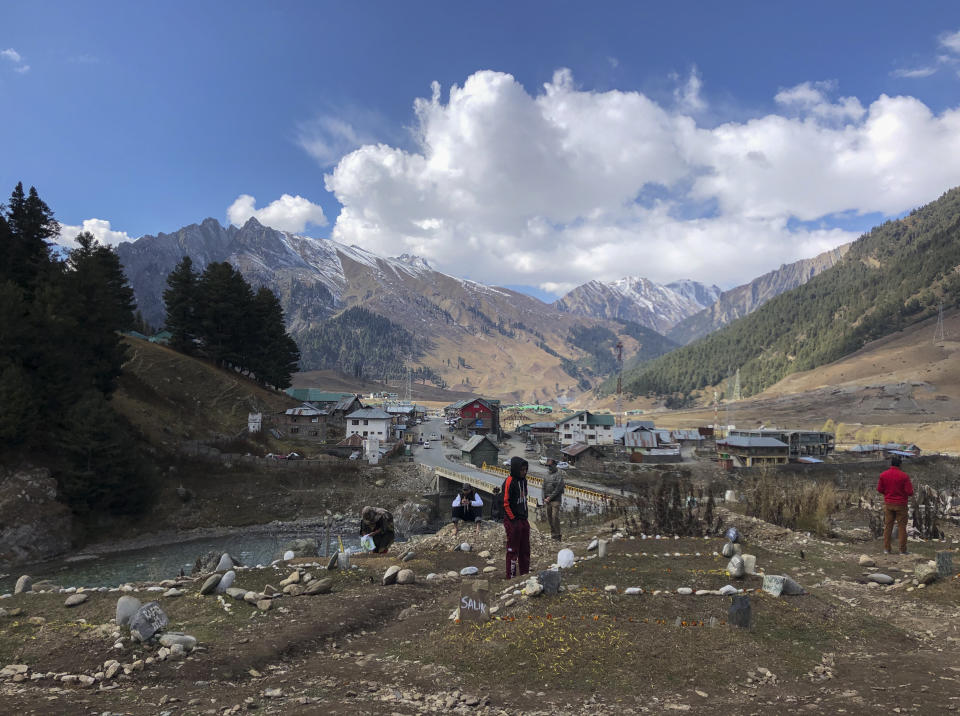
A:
434,436
529,448
355,455
426,444
544,460
563,465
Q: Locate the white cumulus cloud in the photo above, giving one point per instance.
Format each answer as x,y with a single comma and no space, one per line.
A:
100,228
565,185
288,213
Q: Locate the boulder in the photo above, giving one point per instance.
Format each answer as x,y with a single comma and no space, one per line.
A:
685,591
294,590
320,586
565,558
736,568
288,555
594,543
148,620
880,578
532,588
172,638
390,576
225,563
235,593
306,547
210,584
126,607
468,571
264,605
550,581
75,600
34,526
412,518
633,590
292,578
226,581
24,584
867,561
465,547
173,592
406,576
791,588
925,573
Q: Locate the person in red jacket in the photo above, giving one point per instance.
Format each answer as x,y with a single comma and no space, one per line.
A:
515,518
895,486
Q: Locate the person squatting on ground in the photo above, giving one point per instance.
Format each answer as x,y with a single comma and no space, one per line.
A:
553,486
895,486
467,506
377,523
496,505
515,518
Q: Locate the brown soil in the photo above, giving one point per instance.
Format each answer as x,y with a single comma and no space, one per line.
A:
371,649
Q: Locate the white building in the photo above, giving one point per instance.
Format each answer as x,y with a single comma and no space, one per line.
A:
369,423
587,428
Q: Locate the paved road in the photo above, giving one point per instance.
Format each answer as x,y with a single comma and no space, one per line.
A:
436,456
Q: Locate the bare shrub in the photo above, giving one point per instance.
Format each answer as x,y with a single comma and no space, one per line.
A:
669,506
806,506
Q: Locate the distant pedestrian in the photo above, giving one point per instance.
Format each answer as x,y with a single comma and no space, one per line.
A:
377,523
895,486
515,518
496,505
468,507
553,487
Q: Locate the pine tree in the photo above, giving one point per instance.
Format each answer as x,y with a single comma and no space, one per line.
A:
274,354
30,223
224,303
180,299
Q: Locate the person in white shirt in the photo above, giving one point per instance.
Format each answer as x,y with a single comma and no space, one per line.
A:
467,506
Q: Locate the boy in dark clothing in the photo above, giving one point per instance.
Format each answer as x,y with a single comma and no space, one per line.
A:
496,505
895,486
515,518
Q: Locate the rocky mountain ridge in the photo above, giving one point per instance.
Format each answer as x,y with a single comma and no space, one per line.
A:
640,300
745,299
481,338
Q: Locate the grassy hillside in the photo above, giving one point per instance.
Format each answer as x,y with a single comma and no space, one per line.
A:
892,277
172,397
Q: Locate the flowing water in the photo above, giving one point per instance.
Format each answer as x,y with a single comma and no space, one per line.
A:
151,564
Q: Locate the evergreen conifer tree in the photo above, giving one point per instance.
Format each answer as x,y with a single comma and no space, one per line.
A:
180,299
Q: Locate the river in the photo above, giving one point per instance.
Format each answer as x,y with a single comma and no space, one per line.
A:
161,561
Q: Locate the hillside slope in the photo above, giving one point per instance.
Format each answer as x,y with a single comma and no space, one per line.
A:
894,276
745,299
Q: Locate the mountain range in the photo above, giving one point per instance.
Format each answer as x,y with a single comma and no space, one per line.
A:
467,336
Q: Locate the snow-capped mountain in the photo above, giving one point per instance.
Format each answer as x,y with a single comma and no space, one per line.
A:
640,300
481,338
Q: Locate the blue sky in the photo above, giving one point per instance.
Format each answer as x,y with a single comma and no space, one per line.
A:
580,141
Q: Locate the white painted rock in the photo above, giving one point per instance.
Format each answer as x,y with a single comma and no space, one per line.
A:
633,590
593,544
749,563
611,588
565,558
288,554
684,590
224,564
728,590
465,547
76,599
226,581
126,608
468,571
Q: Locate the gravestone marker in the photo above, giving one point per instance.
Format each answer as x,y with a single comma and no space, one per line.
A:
945,564
550,579
474,600
148,620
739,613
773,584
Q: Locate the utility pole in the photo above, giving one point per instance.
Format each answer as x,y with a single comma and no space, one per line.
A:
619,416
938,336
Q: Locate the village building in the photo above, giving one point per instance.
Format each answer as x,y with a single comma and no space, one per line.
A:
800,443
752,451
656,446
586,427
369,423
480,449
583,456
323,399
477,416
305,422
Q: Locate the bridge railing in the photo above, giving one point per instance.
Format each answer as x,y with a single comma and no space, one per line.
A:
570,491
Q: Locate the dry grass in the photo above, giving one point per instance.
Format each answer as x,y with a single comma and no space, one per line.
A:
806,506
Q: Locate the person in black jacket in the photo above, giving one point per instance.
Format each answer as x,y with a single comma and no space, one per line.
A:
515,518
